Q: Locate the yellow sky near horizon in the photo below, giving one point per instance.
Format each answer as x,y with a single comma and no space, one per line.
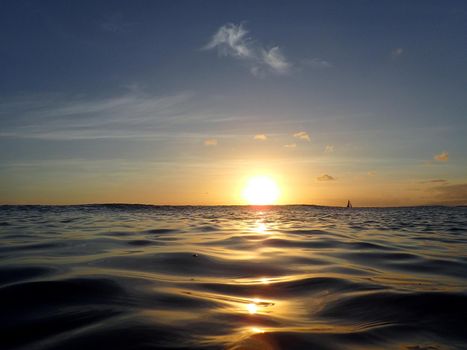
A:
224,184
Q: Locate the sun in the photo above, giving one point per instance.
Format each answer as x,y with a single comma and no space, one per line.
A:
261,190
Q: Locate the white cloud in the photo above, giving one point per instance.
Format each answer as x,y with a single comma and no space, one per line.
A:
233,40
261,137
325,177
210,142
442,157
302,135
276,60
329,149
291,145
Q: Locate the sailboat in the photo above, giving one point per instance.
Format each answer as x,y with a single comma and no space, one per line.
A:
349,205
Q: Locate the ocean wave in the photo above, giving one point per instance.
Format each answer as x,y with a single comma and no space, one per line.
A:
151,277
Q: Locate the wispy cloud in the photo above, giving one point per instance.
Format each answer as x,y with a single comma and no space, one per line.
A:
291,145
260,137
442,157
451,194
115,23
434,181
371,173
317,63
302,135
210,142
233,40
131,115
329,149
325,177
276,60
397,52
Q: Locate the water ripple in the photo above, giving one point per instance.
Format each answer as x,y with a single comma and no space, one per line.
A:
297,277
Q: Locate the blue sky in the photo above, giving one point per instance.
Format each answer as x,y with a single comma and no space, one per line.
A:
99,100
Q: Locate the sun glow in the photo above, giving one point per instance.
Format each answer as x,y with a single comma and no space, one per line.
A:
261,190
252,308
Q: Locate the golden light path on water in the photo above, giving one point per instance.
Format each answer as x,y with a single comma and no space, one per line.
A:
260,315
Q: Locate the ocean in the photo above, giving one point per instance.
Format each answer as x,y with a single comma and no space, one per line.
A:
232,277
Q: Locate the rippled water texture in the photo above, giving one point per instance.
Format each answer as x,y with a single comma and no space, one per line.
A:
144,277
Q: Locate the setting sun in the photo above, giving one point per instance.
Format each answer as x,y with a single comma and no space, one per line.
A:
261,190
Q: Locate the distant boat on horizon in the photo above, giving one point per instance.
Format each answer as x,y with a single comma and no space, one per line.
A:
349,205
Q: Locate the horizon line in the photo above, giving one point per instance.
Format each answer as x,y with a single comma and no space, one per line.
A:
232,205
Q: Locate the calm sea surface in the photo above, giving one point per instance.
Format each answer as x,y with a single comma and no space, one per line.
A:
293,277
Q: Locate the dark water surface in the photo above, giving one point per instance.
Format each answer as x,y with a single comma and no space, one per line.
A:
145,277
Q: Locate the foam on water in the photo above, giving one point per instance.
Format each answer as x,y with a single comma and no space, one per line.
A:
293,277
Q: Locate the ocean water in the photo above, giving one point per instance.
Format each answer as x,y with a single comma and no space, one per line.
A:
286,277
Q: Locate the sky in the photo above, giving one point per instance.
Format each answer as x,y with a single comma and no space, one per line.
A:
182,102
